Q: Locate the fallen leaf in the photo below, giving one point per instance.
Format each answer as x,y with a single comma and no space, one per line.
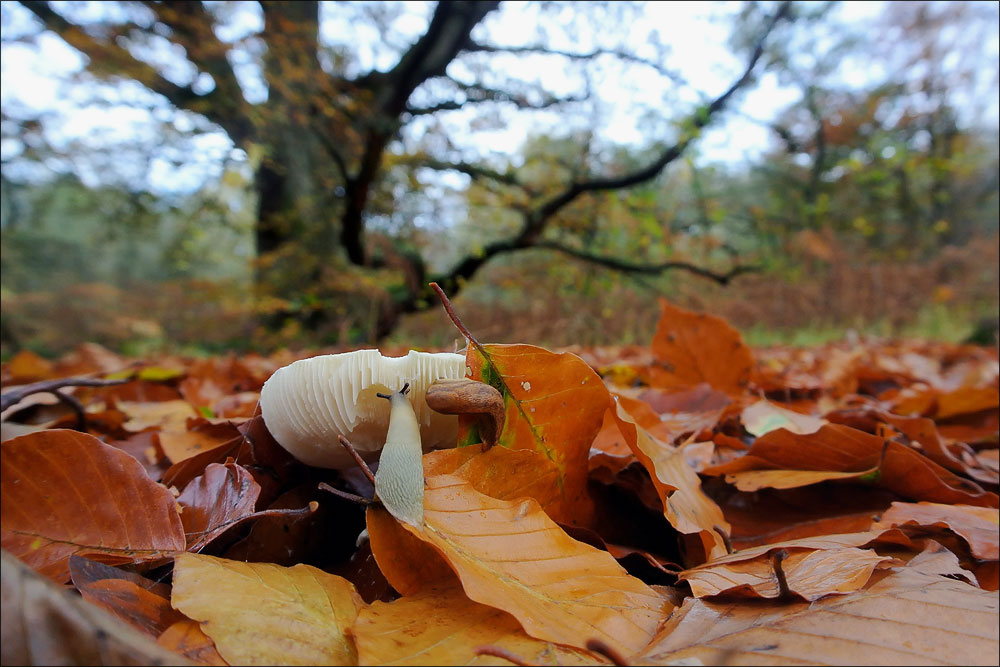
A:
215,500
499,472
197,436
44,624
911,615
685,504
764,416
166,415
841,449
691,348
265,614
68,493
810,574
510,555
976,525
142,603
444,627
186,638
555,404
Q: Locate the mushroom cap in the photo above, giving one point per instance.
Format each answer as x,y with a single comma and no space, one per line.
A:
308,403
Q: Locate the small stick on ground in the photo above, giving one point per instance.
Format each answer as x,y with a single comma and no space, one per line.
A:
15,396
784,592
454,318
76,406
345,495
726,542
357,458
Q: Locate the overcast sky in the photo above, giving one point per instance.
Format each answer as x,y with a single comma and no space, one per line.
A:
33,77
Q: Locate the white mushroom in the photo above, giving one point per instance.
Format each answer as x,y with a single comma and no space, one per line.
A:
308,403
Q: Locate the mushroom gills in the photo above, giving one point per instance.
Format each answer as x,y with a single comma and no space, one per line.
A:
399,480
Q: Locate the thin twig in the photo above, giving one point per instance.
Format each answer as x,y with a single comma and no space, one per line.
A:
207,537
458,322
75,405
726,542
784,592
15,396
357,458
354,498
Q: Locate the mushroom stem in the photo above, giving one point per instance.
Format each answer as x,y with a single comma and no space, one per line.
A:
357,458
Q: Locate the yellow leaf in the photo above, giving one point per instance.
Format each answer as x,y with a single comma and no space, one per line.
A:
265,614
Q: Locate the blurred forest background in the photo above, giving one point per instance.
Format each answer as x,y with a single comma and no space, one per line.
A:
203,176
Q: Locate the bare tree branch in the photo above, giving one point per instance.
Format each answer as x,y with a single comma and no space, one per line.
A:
478,93
617,53
535,221
428,57
649,269
474,170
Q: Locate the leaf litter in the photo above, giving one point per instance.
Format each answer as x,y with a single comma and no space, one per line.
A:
695,500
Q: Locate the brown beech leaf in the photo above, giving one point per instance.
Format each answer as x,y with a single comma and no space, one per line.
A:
810,574
976,525
923,613
142,603
198,435
772,515
555,404
265,614
685,504
165,415
444,627
841,449
923,434
68,493
683,411
409,564
691,348
44,624
505,474
222,495
967,400
186,638
510,555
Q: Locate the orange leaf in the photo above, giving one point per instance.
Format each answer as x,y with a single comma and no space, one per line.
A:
691,348
407,562
186,638
841,449
68,493
511,556
499,472
136,600
555,404
685,504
